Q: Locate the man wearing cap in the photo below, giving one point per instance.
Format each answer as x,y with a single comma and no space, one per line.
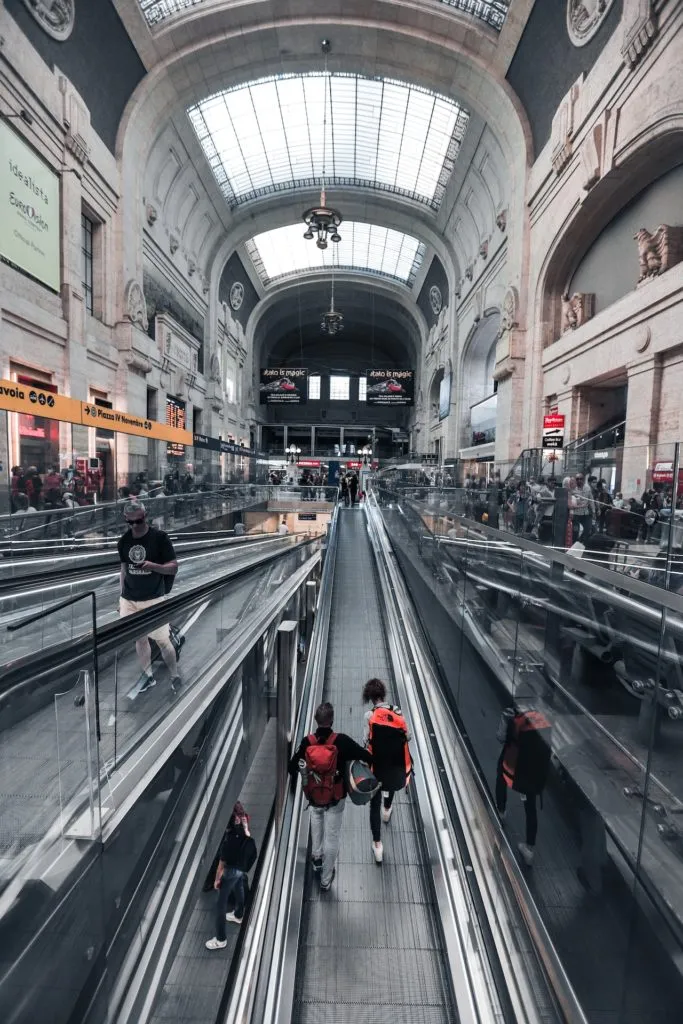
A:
146,556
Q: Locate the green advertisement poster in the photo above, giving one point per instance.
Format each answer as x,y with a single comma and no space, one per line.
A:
29,210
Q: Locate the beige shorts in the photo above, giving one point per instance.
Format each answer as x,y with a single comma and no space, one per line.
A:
126,607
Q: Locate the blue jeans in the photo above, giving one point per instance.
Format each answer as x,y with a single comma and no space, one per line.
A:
232,884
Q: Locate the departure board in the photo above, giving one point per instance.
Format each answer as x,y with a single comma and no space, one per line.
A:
175,417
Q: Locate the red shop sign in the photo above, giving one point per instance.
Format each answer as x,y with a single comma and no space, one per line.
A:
309,463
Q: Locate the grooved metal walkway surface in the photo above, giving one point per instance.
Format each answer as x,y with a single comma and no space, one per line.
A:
370,950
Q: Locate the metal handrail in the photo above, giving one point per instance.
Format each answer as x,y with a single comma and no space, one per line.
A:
462,771
263,986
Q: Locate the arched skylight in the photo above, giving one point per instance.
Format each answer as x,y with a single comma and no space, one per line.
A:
490,11
267,136
284,251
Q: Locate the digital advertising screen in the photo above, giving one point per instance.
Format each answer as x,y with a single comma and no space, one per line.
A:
390,387
483,420
283,385
175,417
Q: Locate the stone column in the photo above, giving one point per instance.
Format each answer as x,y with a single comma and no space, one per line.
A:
642,417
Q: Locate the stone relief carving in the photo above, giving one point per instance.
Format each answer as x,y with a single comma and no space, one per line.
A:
237,295
576,310
640,34
597,151
191,267
563,129
136,307
76,122
215,367
151,214
173,244
510,312
584,18
435,299
502,221
469,272
484,249
438,332
658,251
56,17
458,289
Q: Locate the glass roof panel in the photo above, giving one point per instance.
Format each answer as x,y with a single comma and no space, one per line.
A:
492,12
367,247
267,136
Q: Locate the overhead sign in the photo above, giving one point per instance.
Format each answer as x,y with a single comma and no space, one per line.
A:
127,423
307,517
309,463
34,401
390,387
29,210
283,386
445,397
553,431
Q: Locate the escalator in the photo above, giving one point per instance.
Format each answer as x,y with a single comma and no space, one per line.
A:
371,949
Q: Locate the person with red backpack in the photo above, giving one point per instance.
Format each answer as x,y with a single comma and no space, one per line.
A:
386,737
320,761
523,766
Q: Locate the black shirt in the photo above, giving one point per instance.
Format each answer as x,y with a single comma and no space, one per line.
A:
144,584
348,750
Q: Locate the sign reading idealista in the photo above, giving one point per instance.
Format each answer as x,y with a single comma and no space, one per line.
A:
29,210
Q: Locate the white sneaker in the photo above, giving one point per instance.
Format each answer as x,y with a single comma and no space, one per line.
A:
230,916
378,851
527,853
216,944
386,814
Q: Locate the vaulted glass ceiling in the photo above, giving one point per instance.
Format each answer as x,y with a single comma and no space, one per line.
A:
490,11
267,136
366,247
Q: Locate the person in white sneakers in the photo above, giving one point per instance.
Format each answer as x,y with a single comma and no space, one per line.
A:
238,853
386,737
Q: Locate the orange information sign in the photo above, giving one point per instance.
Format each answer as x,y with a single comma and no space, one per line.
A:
127,423
33,401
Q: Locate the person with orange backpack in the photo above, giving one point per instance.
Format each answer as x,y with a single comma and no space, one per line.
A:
523,766
320,762
386,737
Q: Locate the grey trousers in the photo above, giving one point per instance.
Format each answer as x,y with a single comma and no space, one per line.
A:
326,823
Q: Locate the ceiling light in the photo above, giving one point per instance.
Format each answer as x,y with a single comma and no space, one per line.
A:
322,220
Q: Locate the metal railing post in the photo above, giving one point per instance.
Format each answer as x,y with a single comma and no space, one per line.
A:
287,636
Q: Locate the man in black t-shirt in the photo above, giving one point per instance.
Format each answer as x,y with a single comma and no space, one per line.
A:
147,557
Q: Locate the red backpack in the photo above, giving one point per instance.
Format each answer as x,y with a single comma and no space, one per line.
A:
322,781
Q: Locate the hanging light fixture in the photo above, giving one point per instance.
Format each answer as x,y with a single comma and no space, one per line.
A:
322,221
332,321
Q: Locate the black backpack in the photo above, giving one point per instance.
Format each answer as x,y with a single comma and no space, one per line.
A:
526,761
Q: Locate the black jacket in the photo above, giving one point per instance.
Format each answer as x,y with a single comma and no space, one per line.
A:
238,850
348,750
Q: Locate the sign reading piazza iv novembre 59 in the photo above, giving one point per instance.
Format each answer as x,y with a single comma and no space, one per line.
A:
283,385
390,387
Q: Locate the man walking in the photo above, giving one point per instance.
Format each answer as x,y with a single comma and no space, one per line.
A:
320,760
148,565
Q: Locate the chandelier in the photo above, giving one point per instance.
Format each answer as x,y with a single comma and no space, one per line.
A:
332,321
322,221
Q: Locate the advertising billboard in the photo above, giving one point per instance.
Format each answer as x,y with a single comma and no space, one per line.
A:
29,210
483,420
390,387
445,397
283,385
